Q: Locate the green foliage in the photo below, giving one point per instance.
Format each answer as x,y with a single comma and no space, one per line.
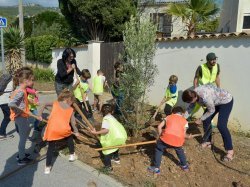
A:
10,12
97,20
13,43
39,48
208,26
13,39
193,12
139,43
44,75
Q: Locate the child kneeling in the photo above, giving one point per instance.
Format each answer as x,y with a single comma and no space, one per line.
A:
173,136
58,127
112,134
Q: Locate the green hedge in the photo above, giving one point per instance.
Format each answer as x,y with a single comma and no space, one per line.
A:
44,75
39,48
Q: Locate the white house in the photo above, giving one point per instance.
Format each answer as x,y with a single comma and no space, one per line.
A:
235,16
168,25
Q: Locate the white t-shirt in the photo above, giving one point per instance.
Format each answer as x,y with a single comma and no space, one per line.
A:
5,98
105,124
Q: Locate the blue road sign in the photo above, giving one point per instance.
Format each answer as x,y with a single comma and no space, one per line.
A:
3,22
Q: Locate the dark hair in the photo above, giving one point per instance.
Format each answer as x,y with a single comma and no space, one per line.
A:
66,54
66,94
117,65
24,73
106,109
177,109
188,96
86,74
173,79
99,71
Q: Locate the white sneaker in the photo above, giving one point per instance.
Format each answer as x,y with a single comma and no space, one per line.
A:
72,157
47,170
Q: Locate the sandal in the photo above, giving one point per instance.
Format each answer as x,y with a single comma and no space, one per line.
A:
229,157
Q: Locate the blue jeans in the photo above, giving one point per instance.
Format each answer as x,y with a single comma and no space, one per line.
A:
59,87
224,112
36,122
6,119
161,147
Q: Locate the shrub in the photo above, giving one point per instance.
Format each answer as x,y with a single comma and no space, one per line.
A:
44,75
39,48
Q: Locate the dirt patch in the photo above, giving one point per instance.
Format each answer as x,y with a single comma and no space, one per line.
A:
206,169
44,86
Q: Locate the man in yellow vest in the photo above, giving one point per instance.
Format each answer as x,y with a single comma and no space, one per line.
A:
208,72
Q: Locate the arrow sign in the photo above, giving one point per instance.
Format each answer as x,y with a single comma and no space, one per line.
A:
3,22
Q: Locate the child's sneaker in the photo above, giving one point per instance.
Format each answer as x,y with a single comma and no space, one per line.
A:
185,168
72,157
23,161
116,160
154,170
47,170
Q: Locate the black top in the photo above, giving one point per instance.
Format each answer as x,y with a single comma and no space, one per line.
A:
62,76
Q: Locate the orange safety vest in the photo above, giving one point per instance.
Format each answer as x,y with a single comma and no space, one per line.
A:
26,112
58,126
174,133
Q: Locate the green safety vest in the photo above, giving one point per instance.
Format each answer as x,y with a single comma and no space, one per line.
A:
173,97
97,85
207,76
77,92
116,135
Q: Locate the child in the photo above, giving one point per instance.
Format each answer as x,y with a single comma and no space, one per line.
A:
81,89
173,136
58,127
33,103
23,78
171,95
98,83
112,134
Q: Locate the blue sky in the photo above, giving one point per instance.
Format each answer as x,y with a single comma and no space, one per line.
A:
46,3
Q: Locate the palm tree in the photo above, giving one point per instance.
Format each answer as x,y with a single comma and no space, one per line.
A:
13,43
193,12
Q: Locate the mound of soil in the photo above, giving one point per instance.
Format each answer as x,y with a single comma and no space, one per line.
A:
206,168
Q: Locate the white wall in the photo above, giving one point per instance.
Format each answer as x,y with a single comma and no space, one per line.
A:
82,57
183,57
244,10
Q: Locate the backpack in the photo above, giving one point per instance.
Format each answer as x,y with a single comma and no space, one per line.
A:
4,81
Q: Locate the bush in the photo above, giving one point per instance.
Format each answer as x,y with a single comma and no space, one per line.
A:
39,48
44,75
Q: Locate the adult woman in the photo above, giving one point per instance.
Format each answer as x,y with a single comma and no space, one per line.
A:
216,100
65,70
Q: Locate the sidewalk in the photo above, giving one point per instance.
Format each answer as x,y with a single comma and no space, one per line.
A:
63,173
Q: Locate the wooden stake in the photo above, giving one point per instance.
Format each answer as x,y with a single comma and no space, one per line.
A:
83,116
126,145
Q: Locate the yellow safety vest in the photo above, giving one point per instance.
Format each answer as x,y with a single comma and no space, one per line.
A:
116,135
97,85
173,97
207,76
77,92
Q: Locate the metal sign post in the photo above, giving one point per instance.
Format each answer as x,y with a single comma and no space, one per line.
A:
3,24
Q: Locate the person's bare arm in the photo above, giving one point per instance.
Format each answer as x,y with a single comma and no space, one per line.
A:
160,126
43,106
217,81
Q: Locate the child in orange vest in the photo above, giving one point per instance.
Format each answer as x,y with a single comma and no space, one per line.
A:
18,100
173,136
59,128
